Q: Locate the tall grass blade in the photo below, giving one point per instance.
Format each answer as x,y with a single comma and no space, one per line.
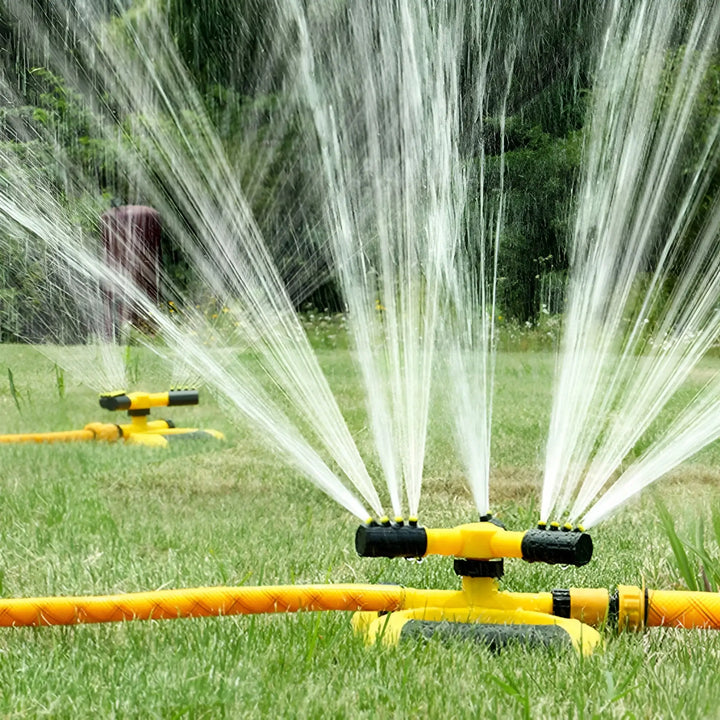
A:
60,381
13,391
681,558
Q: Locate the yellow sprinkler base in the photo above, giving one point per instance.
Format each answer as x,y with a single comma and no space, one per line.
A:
481,612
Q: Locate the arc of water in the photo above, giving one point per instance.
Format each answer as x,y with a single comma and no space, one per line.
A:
41,215
634,154
214,202
384,103
473,285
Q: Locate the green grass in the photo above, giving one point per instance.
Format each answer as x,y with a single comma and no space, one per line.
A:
100,518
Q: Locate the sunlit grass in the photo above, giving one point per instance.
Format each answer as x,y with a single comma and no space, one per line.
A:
97,518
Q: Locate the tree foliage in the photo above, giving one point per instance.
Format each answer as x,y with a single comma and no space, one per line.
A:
239,61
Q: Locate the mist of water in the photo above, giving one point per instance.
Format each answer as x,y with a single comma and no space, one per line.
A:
388,121
39,214
179,162
644,288
382,85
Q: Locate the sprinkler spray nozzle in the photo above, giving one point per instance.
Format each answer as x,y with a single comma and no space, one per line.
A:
391,541
476,541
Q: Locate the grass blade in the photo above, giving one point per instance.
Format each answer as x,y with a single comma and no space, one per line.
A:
13,391
681,558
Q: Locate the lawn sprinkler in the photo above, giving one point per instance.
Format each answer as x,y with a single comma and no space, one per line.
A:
387,614
139,431
478,609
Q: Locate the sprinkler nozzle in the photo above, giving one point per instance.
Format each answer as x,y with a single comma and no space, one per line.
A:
391,541
554,548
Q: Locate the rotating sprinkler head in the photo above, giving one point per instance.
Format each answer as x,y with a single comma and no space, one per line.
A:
139,401
484,540
142,431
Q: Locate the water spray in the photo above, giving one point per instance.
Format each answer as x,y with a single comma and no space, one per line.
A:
139,431
387,614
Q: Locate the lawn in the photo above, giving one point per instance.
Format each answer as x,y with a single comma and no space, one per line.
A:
92,518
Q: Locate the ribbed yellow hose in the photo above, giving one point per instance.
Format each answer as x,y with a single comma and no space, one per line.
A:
92,431
673,608
50,437
197,602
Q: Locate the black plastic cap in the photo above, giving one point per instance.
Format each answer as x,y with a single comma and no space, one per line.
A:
115,402
391,542
183,397
557,548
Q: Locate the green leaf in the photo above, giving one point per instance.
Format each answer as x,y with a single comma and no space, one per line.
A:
40,115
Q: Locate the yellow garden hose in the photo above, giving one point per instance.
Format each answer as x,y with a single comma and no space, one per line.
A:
479,609
685,609
197,602
93,431
50,437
